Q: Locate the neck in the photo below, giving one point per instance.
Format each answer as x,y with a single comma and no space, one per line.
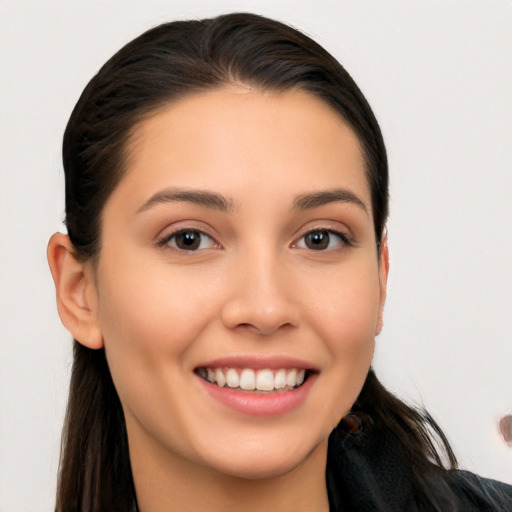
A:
169,484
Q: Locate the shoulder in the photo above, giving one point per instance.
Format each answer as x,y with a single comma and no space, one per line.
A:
477,493
371,473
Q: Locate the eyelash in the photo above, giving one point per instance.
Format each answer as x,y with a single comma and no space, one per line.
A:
164,241
342,236
345,240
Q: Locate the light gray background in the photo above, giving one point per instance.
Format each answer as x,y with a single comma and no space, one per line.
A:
438,74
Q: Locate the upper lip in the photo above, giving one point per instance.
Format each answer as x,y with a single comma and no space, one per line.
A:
258,362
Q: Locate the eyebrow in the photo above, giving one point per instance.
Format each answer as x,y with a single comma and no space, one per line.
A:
207,199
218,202
316,199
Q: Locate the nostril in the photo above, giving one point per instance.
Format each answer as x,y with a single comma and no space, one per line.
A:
260,315
263,328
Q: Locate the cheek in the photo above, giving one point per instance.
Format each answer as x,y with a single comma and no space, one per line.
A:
149,319
151,306
345,316
346,311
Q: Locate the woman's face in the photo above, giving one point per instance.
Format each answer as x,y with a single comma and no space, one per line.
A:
239,246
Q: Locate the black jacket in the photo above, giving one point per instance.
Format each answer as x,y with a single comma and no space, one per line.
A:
370,473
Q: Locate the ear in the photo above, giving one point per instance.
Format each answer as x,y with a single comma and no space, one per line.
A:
76,292
383,281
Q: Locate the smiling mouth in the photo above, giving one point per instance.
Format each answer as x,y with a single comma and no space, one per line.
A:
247,379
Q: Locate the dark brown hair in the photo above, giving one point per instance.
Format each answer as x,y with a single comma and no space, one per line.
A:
160,66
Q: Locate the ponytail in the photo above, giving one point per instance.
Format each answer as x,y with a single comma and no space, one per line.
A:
95,473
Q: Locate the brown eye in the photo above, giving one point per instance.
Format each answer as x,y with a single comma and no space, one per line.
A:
317,240
322,240
190,240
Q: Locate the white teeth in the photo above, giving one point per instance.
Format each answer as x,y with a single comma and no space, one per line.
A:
280,379
265,380
232,378
219,377
250,380
291,378
247,380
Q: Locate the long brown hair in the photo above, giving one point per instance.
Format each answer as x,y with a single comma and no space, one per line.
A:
160,66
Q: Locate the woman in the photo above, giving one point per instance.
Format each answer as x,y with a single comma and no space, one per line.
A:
224,277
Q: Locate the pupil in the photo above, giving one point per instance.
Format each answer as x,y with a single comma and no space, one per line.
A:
317,240
188,240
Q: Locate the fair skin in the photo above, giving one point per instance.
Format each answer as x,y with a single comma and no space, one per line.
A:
240,238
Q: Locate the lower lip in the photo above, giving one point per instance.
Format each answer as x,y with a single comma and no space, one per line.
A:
260,404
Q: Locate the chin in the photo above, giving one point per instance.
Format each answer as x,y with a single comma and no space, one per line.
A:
263,462
259,470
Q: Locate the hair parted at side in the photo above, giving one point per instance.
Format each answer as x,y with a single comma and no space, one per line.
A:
163,65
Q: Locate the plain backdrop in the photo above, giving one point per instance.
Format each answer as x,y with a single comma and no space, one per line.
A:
438,75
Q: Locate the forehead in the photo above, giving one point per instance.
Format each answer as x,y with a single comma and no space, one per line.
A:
239,139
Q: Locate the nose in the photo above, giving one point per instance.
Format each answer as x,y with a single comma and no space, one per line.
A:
261,298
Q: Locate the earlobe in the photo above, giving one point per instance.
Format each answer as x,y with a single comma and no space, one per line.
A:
383,281
76,292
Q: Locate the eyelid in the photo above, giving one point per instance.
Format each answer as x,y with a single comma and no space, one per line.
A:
343,234
169,233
